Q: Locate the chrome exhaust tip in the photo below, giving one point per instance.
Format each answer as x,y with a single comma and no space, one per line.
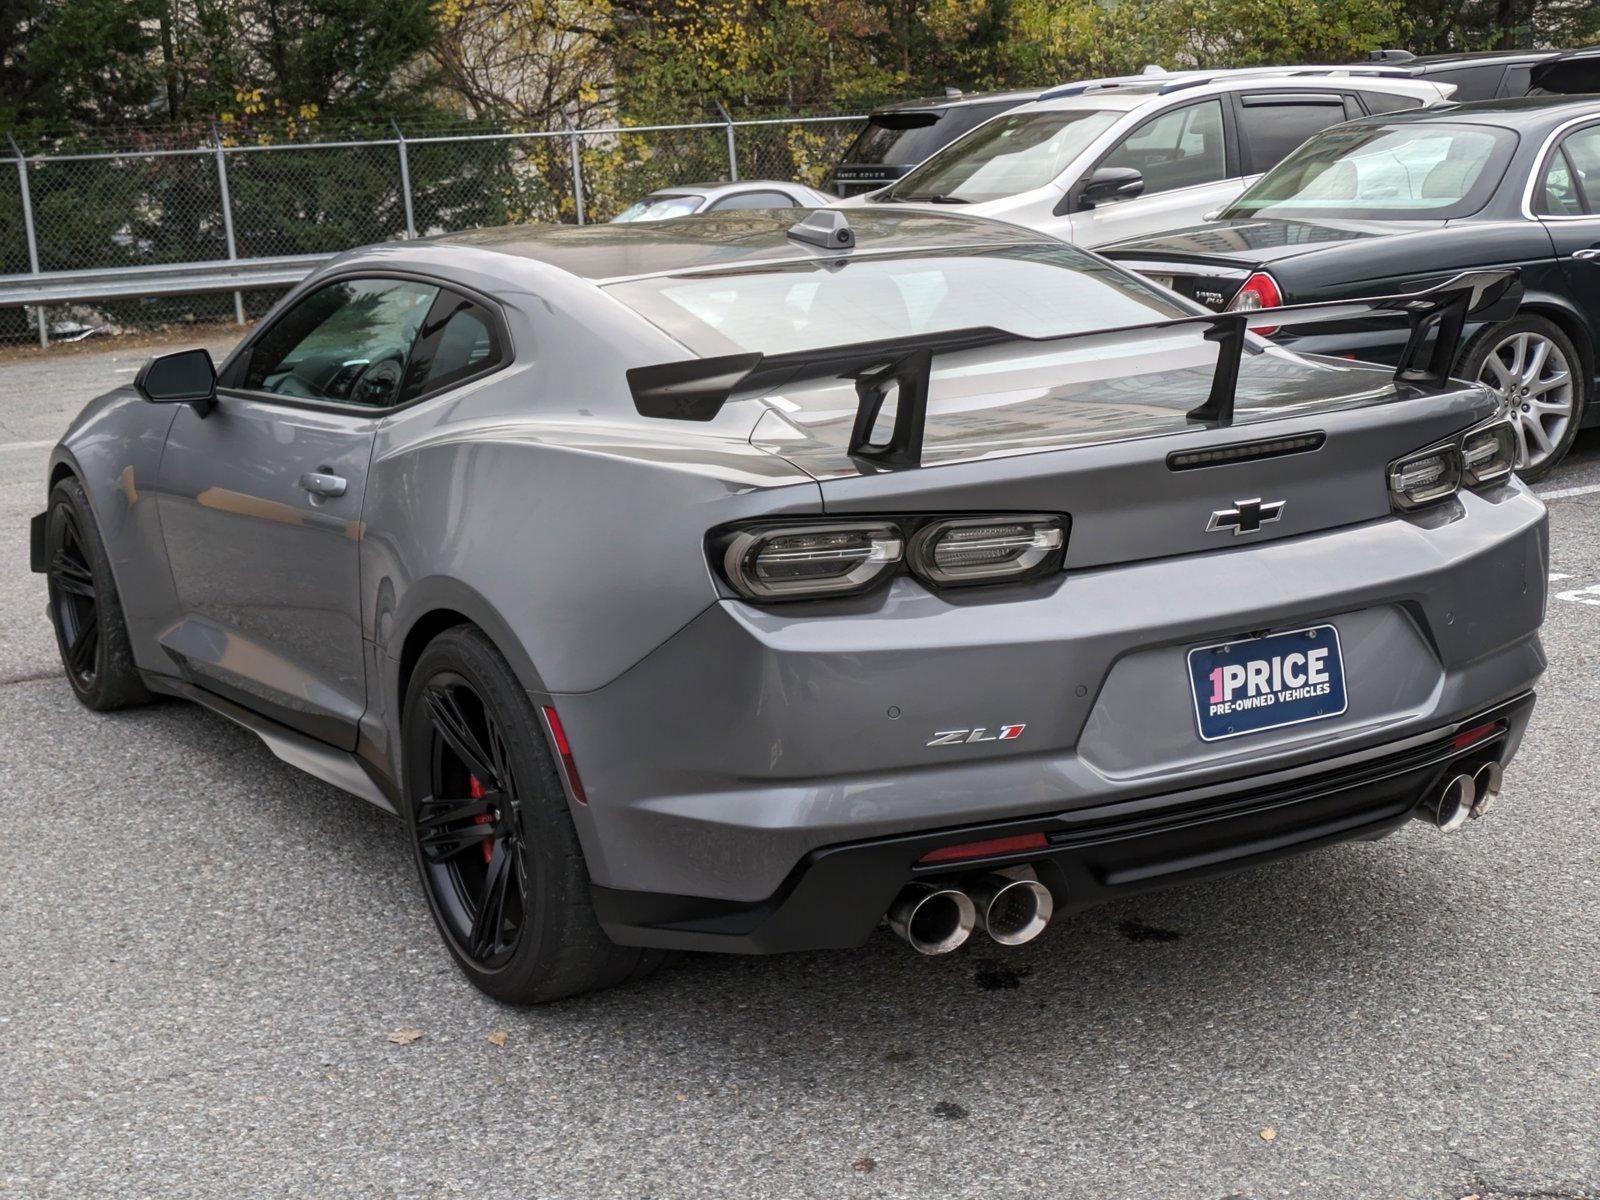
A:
935,919
1012,911
1486,781
1451,806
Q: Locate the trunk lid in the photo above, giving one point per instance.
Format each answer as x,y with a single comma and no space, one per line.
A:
1089,433
1209,263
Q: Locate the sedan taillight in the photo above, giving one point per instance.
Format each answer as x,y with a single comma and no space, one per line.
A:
1259,291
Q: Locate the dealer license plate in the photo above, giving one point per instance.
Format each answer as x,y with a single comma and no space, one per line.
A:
1267,682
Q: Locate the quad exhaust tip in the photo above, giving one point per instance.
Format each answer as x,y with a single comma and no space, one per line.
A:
934,919
1012,911
1463,797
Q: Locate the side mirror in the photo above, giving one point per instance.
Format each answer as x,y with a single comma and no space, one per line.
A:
184,377
1112,183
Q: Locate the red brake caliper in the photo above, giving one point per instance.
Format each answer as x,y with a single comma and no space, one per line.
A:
477,791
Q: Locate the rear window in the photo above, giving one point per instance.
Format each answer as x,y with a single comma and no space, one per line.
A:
1012,153
1421,171
658,208
1036,291
903,139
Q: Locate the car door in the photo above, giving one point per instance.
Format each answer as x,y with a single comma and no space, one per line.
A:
1189,167
1565,197
260,503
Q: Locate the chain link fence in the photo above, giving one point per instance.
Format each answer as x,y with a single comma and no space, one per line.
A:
214,200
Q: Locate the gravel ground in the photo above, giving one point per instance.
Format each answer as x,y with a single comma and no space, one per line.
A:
204,953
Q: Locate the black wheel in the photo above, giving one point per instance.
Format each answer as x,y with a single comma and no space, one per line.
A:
494,841
1535,370
84,606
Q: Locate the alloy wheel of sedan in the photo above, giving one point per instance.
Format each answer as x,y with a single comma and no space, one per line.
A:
1531,375
469,826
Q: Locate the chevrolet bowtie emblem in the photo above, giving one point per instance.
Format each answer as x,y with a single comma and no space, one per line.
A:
1246,516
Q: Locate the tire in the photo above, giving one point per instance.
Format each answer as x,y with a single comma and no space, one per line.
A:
85,607
1523,361
492,834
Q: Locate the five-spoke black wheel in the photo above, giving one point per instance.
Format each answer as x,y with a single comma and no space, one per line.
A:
84,606
495,843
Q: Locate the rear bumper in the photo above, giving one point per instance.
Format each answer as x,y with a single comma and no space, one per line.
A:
836,895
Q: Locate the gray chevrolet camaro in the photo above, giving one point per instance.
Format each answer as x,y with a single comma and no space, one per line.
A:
741,583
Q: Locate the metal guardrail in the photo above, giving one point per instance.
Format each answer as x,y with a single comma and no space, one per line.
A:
233,218
167,279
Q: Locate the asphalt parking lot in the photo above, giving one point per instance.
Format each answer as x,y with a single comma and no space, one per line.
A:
203,954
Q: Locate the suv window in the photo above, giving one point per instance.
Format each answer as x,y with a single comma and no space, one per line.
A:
1388,102
459,341
1177,149
1472,83
1271,126
902,139
753,200
347,342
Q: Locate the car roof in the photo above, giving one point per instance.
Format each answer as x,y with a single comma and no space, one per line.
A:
1136,93
1477,56
1517,112
720,241
956,101
720,187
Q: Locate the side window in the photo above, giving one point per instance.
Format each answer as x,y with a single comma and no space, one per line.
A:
1178,149
1272,126
753,200
459,341
1560,196
1387,102
1517,82
1572,180
348,342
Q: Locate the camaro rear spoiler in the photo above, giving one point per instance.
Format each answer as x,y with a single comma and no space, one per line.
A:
695,389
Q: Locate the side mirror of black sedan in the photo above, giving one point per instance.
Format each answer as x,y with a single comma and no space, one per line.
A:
184,377
1112,183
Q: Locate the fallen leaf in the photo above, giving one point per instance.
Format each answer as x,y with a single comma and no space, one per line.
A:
865,1165
404,1037
1268,1134
497,1038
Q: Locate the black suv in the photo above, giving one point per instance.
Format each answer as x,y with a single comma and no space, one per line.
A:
1498,74
899,136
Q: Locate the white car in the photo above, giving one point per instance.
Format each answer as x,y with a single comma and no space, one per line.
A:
1094,162
664,204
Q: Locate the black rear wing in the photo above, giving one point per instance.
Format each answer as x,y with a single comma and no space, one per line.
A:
695,389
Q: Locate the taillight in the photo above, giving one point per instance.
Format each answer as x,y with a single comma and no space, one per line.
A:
1481,457
813,559
806,561
987,549
1259,291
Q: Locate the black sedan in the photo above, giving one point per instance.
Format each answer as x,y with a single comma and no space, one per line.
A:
1398,202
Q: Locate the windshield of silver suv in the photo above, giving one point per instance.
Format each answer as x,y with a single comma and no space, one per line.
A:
1011,154
1417,171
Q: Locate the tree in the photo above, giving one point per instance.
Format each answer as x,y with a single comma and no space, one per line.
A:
66,63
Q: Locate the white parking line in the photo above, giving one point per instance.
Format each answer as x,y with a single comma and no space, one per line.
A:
44,445
1564,493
